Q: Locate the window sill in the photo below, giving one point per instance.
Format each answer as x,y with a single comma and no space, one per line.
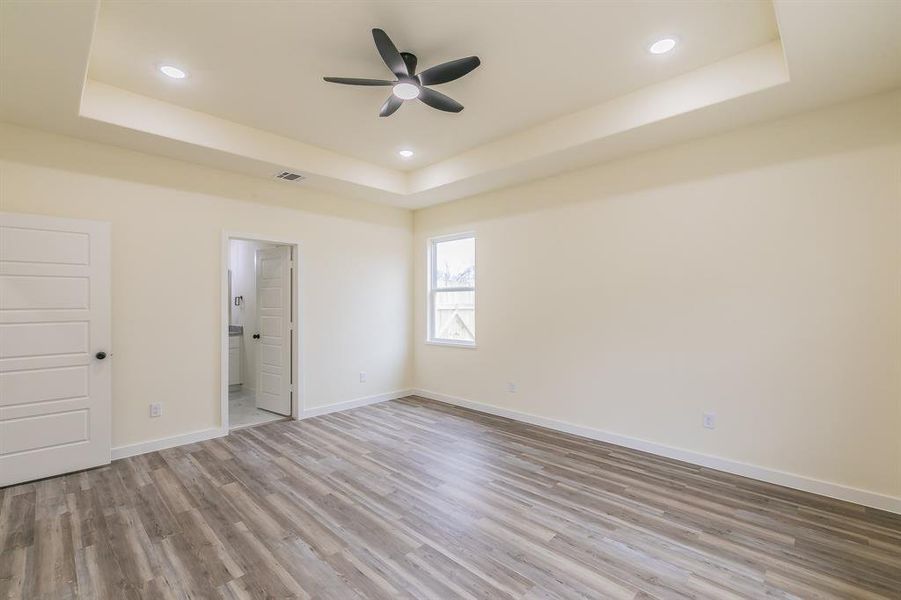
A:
452,344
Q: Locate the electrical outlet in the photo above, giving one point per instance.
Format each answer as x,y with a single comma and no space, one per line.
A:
709,420
156,409
363,376
511,387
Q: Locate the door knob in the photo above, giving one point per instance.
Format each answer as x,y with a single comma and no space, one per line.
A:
100,355
256,336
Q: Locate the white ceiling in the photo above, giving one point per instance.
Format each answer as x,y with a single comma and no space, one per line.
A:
261,64
255,103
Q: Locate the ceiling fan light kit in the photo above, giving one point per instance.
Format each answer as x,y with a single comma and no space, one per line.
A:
406,91
409,85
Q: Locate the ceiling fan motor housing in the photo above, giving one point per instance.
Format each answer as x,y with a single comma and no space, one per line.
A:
410,61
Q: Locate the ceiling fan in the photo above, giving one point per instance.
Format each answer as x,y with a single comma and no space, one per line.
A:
409,85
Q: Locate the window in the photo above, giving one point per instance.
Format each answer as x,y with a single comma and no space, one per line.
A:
452,290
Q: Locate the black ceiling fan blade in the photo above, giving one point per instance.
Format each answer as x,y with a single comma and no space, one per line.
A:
439,101
356,81
389,53
390,106
449,71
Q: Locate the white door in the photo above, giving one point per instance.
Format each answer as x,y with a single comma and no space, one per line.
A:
275,329
54,334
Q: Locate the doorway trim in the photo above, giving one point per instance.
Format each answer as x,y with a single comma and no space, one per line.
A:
225,307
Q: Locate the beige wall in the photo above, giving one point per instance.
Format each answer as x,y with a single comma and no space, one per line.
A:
167,221
754,275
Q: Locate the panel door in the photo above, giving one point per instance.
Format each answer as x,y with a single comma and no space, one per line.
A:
275,328
54,319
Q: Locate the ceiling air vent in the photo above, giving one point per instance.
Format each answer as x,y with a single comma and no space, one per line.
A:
289,176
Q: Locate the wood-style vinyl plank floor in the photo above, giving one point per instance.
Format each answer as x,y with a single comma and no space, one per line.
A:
417,499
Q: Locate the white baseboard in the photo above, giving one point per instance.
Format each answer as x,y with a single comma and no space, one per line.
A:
214,432
168,442
798,482
355,403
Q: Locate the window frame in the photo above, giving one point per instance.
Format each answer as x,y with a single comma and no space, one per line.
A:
433,289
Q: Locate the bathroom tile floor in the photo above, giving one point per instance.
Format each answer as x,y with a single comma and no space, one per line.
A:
243,412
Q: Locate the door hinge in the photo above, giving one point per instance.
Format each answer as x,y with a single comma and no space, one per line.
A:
290,387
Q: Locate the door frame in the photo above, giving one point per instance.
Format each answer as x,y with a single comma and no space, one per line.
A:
225,307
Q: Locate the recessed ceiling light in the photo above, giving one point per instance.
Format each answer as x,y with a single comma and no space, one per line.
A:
662,46
173,72
406,153
406,91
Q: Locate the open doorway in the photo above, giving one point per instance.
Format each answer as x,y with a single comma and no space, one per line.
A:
261,351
